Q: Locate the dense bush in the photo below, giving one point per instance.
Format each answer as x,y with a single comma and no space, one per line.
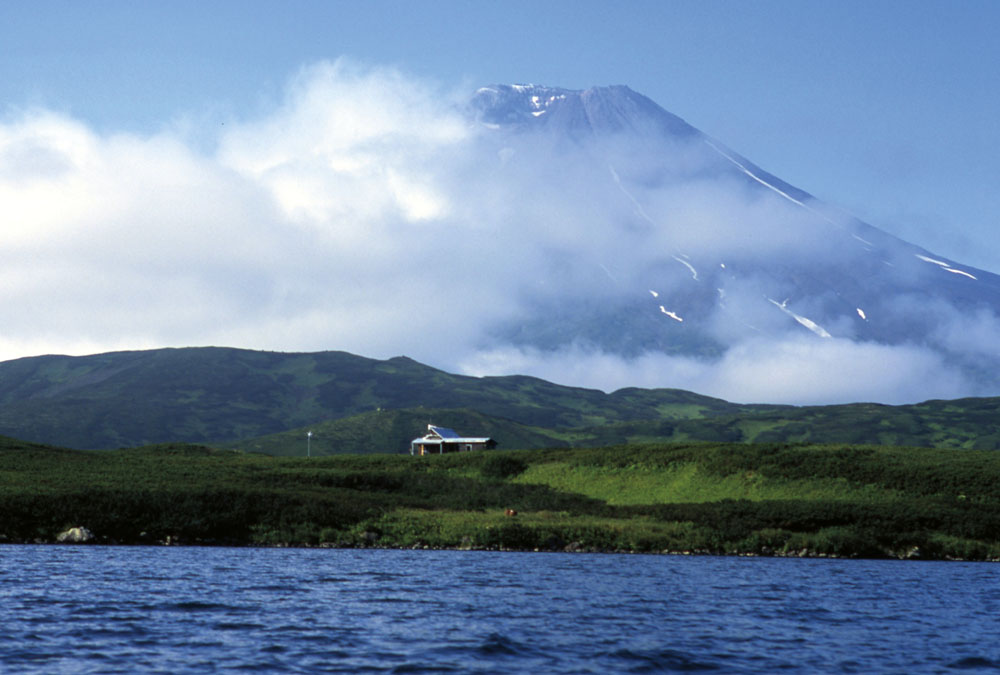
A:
942,502
502,466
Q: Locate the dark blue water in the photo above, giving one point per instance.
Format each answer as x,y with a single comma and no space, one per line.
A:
122,609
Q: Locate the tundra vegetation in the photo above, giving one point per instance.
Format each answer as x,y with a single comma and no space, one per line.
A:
763,499
266,402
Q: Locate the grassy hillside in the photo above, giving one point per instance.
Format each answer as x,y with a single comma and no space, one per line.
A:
390,432
212,394
266,401
970,424
717,498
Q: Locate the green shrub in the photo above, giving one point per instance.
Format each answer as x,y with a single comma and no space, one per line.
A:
874,501
501,466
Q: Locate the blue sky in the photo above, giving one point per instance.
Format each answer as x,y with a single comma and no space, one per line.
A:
263,174
888,109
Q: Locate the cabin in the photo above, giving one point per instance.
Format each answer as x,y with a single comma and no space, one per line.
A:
439,440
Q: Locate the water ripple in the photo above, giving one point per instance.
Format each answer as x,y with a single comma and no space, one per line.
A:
121,609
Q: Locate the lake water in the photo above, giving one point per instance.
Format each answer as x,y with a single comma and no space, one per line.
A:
126,609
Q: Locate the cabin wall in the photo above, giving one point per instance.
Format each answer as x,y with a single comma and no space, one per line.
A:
421,449
443,448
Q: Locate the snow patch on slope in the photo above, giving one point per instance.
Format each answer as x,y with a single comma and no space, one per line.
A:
945,266
962,272
641,212
808,323
694,272
672,315
757,178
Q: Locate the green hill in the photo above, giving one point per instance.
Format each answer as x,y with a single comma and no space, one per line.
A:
390,431
972,423
266,401
212,394
963,424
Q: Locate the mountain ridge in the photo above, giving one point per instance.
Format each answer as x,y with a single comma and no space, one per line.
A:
267,400
202,394
773,263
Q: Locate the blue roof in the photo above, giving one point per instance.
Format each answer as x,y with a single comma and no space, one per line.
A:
443,432
446,435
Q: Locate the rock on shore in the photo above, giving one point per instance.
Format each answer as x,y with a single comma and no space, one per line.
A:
75,535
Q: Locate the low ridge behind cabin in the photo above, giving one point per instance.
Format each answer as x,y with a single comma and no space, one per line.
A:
439,440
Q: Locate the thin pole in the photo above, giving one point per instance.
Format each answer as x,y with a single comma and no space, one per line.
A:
309,437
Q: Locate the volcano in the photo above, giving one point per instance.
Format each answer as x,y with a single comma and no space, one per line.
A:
725,251
587,237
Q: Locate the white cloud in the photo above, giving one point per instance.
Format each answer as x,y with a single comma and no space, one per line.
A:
793,370
350,143
974,334
367,214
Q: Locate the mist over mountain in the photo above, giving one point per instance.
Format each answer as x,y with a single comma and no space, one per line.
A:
587,237
704,254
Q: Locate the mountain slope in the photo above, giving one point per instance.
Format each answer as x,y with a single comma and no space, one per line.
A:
968,424
216,394
707,251
390,431
266,401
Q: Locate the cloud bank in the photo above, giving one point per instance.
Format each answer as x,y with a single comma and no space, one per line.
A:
369,213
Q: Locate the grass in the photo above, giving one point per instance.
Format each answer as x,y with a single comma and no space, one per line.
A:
687,482
266,401
776,499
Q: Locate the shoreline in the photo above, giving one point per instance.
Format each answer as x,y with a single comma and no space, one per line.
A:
911,556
